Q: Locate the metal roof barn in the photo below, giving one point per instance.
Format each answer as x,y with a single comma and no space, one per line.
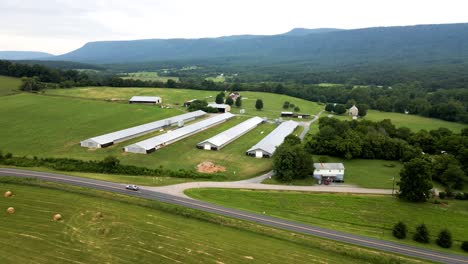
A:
267,146
146,99
129,133
154,143
226,137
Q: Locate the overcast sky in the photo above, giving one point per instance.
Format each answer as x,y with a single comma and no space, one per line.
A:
59,26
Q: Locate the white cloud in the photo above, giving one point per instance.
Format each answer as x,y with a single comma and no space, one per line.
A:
62,25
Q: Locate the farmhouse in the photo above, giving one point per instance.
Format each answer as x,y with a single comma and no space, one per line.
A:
267,146
234,95
354,112
226,137
145,100
222,108
329,172
129,133
157,142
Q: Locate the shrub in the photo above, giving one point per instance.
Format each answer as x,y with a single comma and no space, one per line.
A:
399,230
442,195
422,234
444,239
459,196
464,246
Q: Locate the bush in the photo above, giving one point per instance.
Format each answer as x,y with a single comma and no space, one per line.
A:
460,196
442,195
400,230
444,239
422,234
464,246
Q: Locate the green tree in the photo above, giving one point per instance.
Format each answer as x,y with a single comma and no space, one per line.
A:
171,83
422,234
239,101
229,101
31,84
400,230
464,246
259,104
297,109
292,162
415,180
362,109
444,239
220,98
286,105
292,140
339,109
329,108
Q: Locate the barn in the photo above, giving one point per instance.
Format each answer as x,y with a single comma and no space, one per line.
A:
222,108
222,139
145,100
329,172
157,142
267,146
129,133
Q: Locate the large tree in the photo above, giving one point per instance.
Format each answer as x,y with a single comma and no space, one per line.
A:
259,104
415,180
239,101
229,101
291,161
220,98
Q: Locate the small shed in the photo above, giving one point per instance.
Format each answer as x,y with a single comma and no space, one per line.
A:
287,114
329,172
145,100
222,108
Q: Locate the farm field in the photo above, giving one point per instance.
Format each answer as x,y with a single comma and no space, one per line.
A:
370,215
148,76
273,103
9,85
100,227
46,126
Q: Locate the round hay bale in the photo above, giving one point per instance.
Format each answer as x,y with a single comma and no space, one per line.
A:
99,215
8,194
57,217
11,210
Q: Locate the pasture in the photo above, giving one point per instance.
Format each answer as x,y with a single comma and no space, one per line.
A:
100,227
148,77
9,85
369,215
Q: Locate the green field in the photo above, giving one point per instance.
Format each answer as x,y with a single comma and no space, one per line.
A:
9,85
99,227
219,78
46,126
148,77
369,215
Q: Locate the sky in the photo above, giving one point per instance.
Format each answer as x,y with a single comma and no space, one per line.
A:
60,26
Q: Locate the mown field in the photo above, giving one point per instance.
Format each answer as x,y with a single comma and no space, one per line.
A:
9,85
100,227
46,126
148,76
370,215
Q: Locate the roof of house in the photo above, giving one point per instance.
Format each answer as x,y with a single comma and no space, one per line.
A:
145,98
329,166
215,105
234,132
287,113
275,138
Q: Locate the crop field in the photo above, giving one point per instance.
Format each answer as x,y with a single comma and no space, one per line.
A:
370,215
273,103
100,227
46,126
9,85
148,76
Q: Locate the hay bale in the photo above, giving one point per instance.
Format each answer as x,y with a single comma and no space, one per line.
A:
8,194
57,217
11,210
99,215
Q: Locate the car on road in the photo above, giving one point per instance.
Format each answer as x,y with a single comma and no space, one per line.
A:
132,187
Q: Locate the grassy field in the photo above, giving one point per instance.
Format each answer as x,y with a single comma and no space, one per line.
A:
99,227
369,215
413,122
148,76
219,78
46,126
9,85
273,103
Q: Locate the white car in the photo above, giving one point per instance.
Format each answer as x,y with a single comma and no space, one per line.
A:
132,187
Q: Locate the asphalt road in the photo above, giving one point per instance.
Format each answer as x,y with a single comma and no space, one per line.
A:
261,219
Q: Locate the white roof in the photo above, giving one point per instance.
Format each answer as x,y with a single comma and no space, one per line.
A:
287,113
145,99
214,105
275,138
329,166
151,143
233,133
145,128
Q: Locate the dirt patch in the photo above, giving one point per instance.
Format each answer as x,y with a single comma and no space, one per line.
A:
209,167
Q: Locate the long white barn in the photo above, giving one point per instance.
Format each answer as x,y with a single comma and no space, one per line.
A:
226,137
129,133
154,143
267,146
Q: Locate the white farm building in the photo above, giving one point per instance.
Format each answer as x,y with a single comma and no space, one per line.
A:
226,137
129,133
222,108
331,172
145,100
267,146
157,142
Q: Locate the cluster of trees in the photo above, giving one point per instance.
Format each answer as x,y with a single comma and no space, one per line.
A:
341,108
110,165
221,98
288,105
201,105
291,161
421,235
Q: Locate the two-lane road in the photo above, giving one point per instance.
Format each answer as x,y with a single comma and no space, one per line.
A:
261,219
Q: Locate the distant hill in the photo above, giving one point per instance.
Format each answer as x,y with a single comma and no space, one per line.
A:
410,45
306,31
63,65
23,55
